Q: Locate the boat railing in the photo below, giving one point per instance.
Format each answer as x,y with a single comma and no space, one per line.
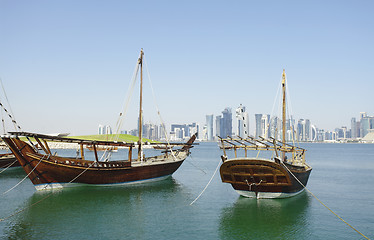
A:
77,162
42,141
261,144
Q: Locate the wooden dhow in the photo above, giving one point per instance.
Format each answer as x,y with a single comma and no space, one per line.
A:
283,175
49,171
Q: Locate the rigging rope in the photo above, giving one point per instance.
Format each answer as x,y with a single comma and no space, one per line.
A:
11,115
127,101
322,202
289,106
107,153
219,163
2,120
6,97
158,112
272,112
16,126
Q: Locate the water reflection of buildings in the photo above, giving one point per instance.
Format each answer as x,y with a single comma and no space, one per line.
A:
266,218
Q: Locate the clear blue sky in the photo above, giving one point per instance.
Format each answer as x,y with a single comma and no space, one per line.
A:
66,65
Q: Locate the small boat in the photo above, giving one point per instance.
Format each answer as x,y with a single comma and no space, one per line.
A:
284,175
8,160
49,171
102,148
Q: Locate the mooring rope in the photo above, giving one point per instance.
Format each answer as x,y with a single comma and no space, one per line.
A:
50,194
219,163
322,202
250,185
196,166
8,166
25,176
23,209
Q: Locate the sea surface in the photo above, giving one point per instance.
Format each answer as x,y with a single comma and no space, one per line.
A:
342,178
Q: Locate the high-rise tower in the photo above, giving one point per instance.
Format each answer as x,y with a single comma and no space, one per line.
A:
226,123
209,125
243,122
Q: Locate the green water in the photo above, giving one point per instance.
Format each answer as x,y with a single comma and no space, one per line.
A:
342,177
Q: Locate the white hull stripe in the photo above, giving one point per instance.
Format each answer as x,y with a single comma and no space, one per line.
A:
51,186
267,194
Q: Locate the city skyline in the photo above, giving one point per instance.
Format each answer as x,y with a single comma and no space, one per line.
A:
66,66
265,125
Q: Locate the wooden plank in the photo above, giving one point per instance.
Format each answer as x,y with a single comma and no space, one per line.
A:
82,151
46,145
94,147
41,145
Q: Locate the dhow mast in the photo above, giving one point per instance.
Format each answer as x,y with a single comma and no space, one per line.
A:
283,112
140,62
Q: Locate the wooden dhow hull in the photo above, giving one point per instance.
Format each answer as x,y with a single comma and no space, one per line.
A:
8,160
264,178
48,172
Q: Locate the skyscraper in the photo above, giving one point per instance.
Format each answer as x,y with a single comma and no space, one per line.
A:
179,131
194,128
150,131
304,130
105,129
262,125
258,125
218,125
243,122
365,126
209,127
108,129
291,131
313,133
162,132
353,128
225,123
358,127
265,122
275,127
307,130
101,129
301,130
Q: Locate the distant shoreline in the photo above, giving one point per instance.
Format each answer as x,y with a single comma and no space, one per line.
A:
61,145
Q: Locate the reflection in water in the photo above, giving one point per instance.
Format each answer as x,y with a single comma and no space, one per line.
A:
265,218
15,172
114,212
